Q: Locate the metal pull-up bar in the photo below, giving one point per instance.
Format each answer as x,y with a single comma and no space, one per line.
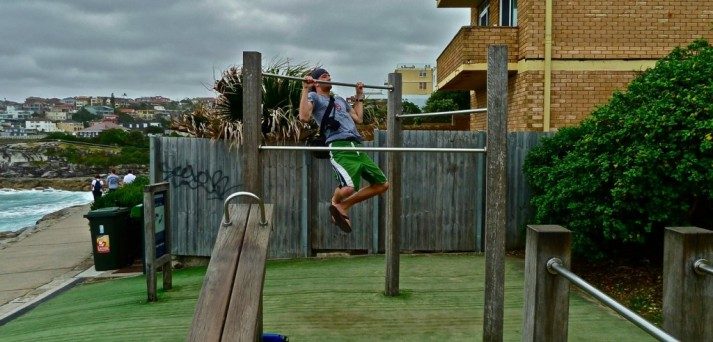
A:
374,149
387,87
453,112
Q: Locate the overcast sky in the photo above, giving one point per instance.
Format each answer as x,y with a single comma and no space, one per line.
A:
177,48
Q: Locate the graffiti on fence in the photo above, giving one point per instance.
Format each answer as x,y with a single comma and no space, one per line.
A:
216,184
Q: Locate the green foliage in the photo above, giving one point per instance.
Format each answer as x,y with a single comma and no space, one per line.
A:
638,164
61,136
122,138
127,195
442,101
84,116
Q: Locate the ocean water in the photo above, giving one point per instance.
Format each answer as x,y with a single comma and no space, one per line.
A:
22,208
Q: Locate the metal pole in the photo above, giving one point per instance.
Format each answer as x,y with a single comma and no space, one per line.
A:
375,149
453,112
555,266
701,266
387,87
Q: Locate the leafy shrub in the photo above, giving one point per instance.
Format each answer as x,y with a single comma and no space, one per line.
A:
638,164
127,195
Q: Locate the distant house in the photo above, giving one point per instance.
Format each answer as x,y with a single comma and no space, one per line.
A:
13,114
57,116
41,126
100,110
96,128
141,125
71,127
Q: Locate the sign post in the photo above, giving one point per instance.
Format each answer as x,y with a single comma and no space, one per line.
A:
157,236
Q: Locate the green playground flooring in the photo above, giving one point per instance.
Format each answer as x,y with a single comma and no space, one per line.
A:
331,299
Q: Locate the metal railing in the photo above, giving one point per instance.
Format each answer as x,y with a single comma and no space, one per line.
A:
555,266
226,216
452,112
374,149
702,266
294,78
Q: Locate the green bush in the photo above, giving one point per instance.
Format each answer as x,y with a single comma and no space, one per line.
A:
128,195
638,164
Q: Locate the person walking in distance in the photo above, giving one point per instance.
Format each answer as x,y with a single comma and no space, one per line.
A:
340,131
129,177
97,185
112,180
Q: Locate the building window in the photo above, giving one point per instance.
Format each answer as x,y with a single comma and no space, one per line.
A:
422,85
422,73
483,17
508,13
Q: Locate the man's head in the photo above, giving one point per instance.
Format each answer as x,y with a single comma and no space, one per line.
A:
322,75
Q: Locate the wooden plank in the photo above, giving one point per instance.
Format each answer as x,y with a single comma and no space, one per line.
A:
687,296
212,305
243,320
393,195
496,193
546,312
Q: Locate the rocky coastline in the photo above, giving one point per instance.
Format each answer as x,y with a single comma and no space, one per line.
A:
25,183
6,238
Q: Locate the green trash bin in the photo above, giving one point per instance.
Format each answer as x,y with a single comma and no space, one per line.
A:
111,237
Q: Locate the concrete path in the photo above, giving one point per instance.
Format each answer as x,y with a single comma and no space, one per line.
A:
49,258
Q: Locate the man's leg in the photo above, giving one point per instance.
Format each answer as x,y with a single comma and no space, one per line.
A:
362,195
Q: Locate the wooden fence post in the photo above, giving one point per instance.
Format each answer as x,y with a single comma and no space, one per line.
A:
496,193
392,243
687,296
252,115
546,295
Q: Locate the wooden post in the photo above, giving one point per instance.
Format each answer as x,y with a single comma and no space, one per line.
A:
252,114
156,169
687,296
392,243
496,193
546,295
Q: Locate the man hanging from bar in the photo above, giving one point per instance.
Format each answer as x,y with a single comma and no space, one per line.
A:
349,166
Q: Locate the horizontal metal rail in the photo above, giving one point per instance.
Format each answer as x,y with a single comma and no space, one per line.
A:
702,266
387,87
555,266
375,149
453,112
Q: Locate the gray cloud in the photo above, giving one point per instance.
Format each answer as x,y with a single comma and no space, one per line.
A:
175,48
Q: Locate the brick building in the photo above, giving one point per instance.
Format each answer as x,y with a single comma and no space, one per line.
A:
565,58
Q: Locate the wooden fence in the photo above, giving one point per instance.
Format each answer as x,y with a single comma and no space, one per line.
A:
442,195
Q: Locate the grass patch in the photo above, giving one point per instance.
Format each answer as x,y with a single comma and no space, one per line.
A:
336,299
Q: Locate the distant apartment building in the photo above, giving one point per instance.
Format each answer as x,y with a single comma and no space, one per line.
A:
11,113
153,100
41,126
81,101
146,114
100,110
565,58
71,127
70,101
57,116
96,128
141,125
417,82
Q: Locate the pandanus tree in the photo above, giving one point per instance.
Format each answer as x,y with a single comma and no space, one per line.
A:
280,99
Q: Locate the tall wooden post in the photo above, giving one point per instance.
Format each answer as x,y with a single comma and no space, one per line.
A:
546,295
252,115
392,243
687,295
496,192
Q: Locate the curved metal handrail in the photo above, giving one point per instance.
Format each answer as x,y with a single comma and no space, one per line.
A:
226,216
702,266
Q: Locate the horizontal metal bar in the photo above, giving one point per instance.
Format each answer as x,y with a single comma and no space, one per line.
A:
375,149
701,266
387,87
465,111
555,266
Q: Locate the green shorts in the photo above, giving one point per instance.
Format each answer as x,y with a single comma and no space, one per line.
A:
350,166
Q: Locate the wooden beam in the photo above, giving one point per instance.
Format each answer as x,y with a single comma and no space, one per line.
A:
496,193
687,296
252,116
546,295
392,243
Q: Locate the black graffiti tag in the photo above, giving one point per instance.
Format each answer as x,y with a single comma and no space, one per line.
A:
215,184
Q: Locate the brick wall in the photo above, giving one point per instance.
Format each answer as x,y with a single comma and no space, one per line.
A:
613,29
